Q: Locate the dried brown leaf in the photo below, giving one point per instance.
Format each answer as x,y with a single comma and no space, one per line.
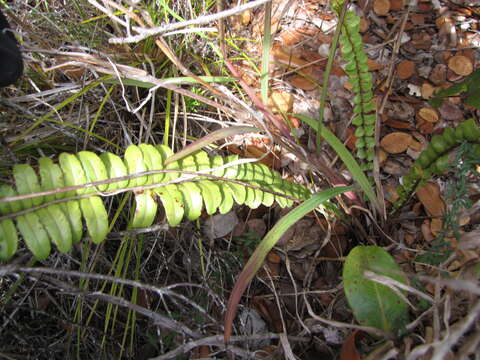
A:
427,90
396,142
381,7
428,114
349,348
450,111
396,5
438,76
405,69
431,199
460,65
280,102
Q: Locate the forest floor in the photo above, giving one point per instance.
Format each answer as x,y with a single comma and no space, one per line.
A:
119,299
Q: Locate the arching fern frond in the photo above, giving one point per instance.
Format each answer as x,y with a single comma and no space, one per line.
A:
434,160
211,183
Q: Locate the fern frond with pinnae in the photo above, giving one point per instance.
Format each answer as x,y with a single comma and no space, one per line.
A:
353,53
52,204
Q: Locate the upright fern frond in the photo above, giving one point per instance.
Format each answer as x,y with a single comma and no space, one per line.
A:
57,218
361,80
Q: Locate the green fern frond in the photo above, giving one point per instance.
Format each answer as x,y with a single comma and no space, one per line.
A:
434,160
184,188
361,80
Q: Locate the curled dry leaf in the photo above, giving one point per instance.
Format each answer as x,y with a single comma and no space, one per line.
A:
301,82
415,145
381,7
396,5
424,127
398,124
396,142
422,40
438,76
246,17
349,348
390,193
382,155
364,24
431,199
450,111
417,19
436,226
427,90
373,65
288,58
405,69
280,102
428,114
470,240
460,65
426,232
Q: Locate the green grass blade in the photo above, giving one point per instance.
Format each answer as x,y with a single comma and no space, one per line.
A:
346,157
268,242
267,43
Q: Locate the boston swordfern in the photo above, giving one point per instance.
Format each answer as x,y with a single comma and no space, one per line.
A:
184,187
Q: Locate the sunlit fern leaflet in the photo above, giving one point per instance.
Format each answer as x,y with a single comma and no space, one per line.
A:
61,222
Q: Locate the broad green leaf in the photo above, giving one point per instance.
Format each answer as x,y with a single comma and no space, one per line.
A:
96,218
8,239
268,242
145,210
474,100
374,304
202,160
34,235
26,182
